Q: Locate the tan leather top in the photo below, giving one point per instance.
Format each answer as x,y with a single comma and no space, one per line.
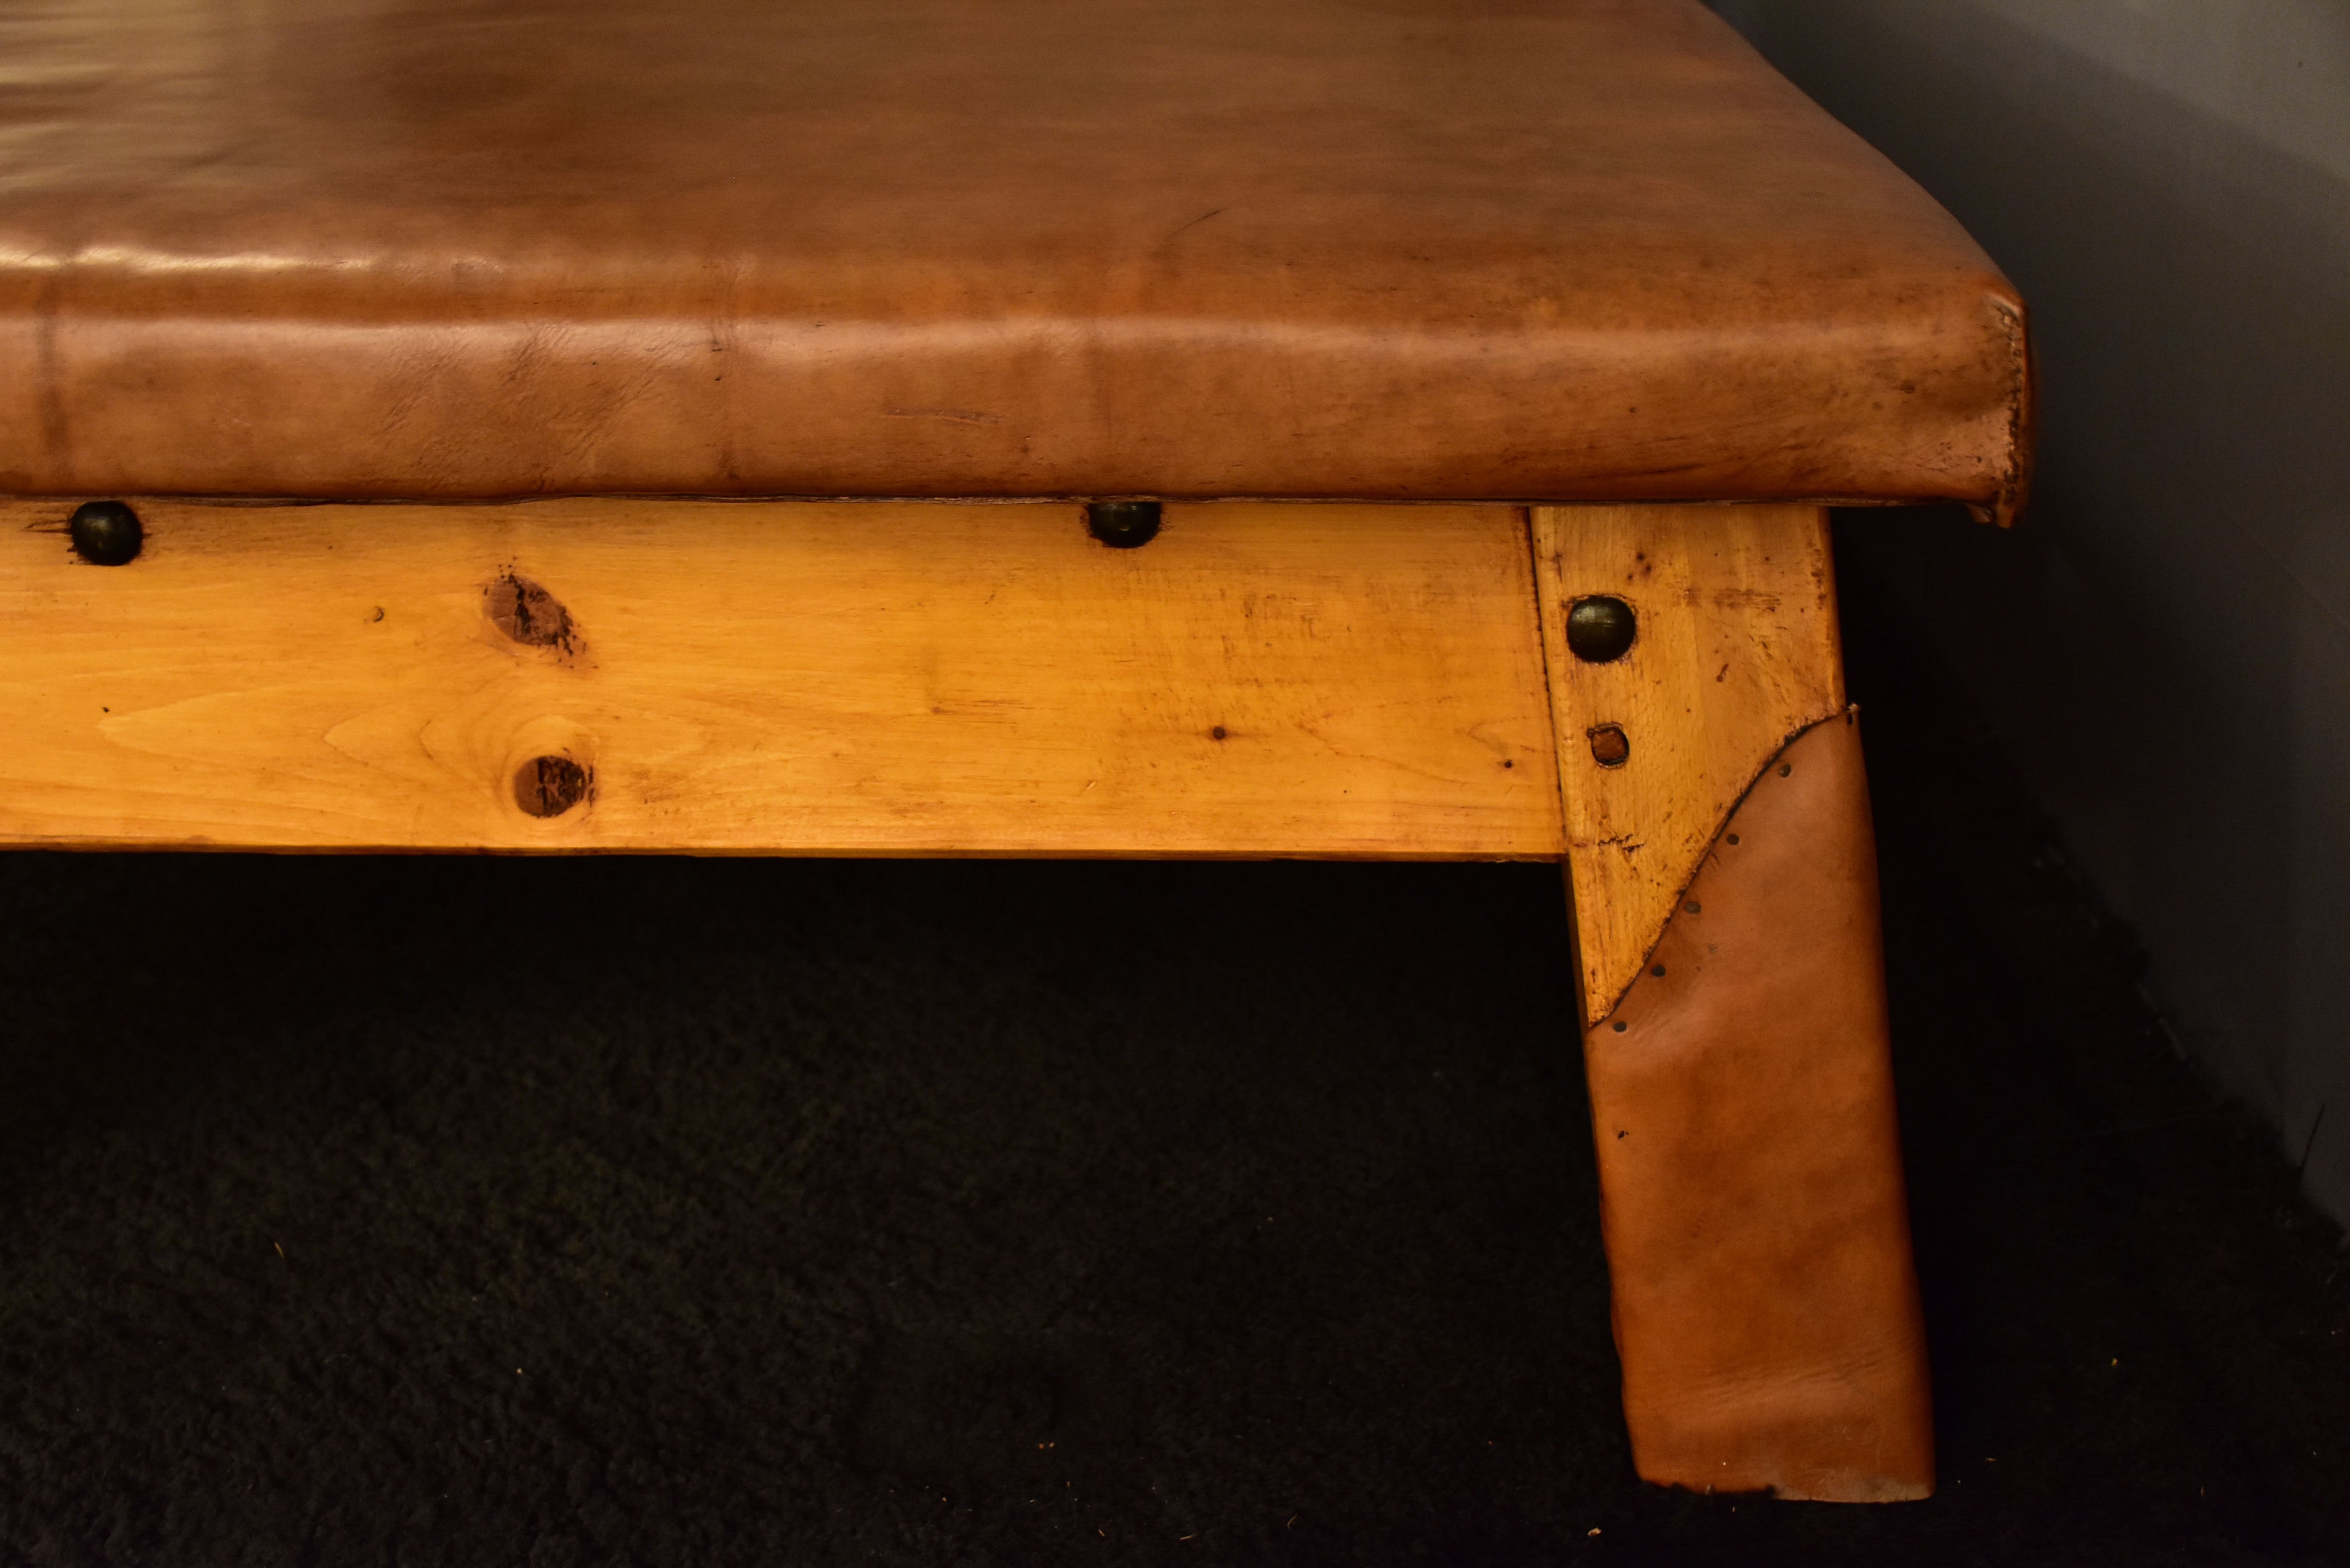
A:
1520,249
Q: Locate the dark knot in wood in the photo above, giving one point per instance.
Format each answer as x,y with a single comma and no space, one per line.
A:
529,614
551,785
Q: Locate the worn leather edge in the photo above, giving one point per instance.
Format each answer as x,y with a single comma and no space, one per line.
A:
2024,421
2023,415
1764,1300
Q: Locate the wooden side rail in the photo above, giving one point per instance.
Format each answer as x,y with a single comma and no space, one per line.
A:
1300,679
862,679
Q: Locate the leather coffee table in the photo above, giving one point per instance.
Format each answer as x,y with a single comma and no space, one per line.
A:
1375,428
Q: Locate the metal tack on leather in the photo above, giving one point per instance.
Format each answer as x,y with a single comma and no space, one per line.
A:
1123,525
107,533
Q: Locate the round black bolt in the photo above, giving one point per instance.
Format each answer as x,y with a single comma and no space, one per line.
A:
1599,629
107,533
1123,525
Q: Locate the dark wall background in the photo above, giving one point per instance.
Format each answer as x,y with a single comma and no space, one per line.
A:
2166,640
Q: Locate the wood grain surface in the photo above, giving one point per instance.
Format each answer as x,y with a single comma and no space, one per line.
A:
1737,650
889,679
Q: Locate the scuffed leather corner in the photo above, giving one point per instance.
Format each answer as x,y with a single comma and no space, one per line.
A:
2024,416
1766,1304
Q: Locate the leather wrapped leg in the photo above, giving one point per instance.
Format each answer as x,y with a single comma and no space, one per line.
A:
1766,1304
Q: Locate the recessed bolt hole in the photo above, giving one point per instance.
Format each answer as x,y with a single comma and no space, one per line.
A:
1217,734
1609,745
1599,629
1691,906
1620,1026
1786,768
1658,971
1733,838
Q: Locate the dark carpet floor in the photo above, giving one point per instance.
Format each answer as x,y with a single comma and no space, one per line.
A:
490,1211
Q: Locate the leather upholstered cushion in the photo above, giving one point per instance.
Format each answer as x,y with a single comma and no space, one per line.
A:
1382,249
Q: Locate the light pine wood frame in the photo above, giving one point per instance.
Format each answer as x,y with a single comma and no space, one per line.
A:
1736,652
1298,680
749,677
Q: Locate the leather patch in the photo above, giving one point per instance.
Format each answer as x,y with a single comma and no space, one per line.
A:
1758,1240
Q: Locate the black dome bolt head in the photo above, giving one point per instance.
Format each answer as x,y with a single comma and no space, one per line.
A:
1123,525
107,533
1599,629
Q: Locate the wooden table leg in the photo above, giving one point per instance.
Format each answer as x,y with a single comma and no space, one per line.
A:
1722,870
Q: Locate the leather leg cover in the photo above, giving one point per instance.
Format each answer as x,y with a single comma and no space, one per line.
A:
1758,1237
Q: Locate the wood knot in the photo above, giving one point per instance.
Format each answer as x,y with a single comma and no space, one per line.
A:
528,614
551,785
